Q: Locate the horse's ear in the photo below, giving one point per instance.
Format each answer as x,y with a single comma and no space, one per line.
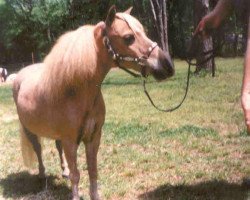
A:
128,11
111,15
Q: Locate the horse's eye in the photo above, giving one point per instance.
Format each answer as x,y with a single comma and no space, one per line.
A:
129,39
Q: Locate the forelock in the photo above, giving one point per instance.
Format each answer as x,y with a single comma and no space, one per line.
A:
132,22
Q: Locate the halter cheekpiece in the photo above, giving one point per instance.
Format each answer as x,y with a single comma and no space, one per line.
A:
118,57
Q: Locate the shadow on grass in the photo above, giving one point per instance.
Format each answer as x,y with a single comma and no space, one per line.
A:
25,186
211,190
120,83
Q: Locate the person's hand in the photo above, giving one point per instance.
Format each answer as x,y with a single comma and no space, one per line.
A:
201,26
214,18
245,96
207,23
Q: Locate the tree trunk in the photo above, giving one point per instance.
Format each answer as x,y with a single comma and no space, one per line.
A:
205,43
138,5
159,12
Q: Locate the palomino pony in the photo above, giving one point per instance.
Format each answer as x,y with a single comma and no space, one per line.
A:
61,98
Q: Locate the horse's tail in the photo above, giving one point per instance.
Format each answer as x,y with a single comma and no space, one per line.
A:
28,153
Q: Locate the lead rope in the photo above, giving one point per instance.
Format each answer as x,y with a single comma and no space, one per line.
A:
175,107
210,54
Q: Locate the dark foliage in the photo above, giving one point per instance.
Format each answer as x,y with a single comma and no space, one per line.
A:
30,27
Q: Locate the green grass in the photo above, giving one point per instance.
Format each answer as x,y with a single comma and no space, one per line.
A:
199,152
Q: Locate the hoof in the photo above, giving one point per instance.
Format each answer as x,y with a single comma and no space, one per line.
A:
246,182
41,176
65,174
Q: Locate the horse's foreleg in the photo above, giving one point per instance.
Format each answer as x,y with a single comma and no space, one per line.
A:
91,154
38,150
64,164
70,150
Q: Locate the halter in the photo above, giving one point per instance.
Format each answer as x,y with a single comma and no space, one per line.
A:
117,58
210,55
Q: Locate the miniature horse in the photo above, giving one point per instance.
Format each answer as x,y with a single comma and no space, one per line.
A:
61,98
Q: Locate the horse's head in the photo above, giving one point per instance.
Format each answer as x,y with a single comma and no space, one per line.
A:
133,49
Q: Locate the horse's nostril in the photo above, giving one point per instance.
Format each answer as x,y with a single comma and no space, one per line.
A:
161,65
171,72
159,75
167,65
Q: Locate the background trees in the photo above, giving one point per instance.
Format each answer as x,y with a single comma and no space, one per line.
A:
31,26
160,19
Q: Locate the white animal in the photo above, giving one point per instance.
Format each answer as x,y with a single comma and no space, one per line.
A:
3,75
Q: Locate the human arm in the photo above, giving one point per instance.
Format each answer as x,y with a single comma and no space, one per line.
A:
245,98
214,18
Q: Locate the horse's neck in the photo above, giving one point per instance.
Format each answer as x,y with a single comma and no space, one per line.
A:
104,63
92,84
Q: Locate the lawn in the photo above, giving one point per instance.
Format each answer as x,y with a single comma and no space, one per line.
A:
199,152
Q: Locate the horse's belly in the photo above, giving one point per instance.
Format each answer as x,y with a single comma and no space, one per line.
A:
42,130
41,119
54,122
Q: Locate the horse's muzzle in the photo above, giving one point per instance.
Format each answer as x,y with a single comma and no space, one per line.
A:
161,65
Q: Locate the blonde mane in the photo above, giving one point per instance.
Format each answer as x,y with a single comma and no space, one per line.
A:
71,62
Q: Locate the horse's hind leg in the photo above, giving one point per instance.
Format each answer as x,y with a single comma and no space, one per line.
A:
64,164
38,150
70,150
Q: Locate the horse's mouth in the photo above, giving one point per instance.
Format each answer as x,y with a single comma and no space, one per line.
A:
160,65
159,76
162,69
